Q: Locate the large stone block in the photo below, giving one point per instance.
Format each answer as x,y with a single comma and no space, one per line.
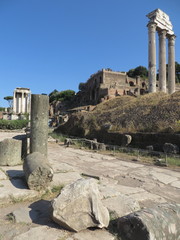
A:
158,223
79,206
10,152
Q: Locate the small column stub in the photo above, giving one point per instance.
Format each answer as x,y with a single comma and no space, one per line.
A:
39,123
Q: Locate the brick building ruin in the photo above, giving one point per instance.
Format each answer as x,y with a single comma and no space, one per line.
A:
106,84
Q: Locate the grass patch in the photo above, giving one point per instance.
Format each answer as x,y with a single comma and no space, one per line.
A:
15,200
57,189
58,136
172,161
13,124
51,193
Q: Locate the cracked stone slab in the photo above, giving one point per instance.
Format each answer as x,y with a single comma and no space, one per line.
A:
115,190
14,172
169,172
3,176
176,184
41,233
24,215
92,235
62,167
65,178
130,164
121,205
144,196
164,178
15,190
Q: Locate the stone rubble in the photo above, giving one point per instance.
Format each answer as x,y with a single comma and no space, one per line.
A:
79,206
146,185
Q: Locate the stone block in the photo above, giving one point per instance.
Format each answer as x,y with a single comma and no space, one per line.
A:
10,152
79,206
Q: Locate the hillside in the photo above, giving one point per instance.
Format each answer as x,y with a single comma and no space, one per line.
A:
155,112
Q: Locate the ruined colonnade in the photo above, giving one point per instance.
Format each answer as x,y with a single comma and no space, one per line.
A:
159,21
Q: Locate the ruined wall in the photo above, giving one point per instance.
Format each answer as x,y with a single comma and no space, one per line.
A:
114,79
106,84
139,140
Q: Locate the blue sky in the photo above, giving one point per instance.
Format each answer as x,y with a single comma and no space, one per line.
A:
56,44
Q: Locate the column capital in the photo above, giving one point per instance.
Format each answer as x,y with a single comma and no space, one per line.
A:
152,26
162,32
171,40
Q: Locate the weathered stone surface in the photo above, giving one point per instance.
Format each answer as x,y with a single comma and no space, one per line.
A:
15,190
79,206
121,205
39,123
23,215
38,171
161,222
126,140
170,148
92,235
65,178
24,139
3,176
10,152
41,233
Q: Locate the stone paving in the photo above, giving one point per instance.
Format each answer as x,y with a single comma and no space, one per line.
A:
148,185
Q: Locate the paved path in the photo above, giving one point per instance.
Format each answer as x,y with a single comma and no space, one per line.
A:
148,185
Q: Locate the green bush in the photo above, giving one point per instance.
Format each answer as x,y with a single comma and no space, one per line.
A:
13,124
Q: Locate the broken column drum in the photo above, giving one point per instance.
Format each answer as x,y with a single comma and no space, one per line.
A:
160,22
39,123
37,170
158,223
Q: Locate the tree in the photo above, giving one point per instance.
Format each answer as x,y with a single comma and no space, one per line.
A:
10,100
66,95
82,86
138,71
177,71
53,95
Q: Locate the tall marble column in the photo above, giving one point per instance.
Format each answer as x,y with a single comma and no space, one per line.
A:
171,63
152,56
162,60
14,102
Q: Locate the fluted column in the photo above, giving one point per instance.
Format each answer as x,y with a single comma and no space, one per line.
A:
152,57
171,64
162,60
14,102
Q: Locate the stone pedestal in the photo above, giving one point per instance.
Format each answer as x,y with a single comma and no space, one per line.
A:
162,60
152,57
10,152
171,64
39,123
